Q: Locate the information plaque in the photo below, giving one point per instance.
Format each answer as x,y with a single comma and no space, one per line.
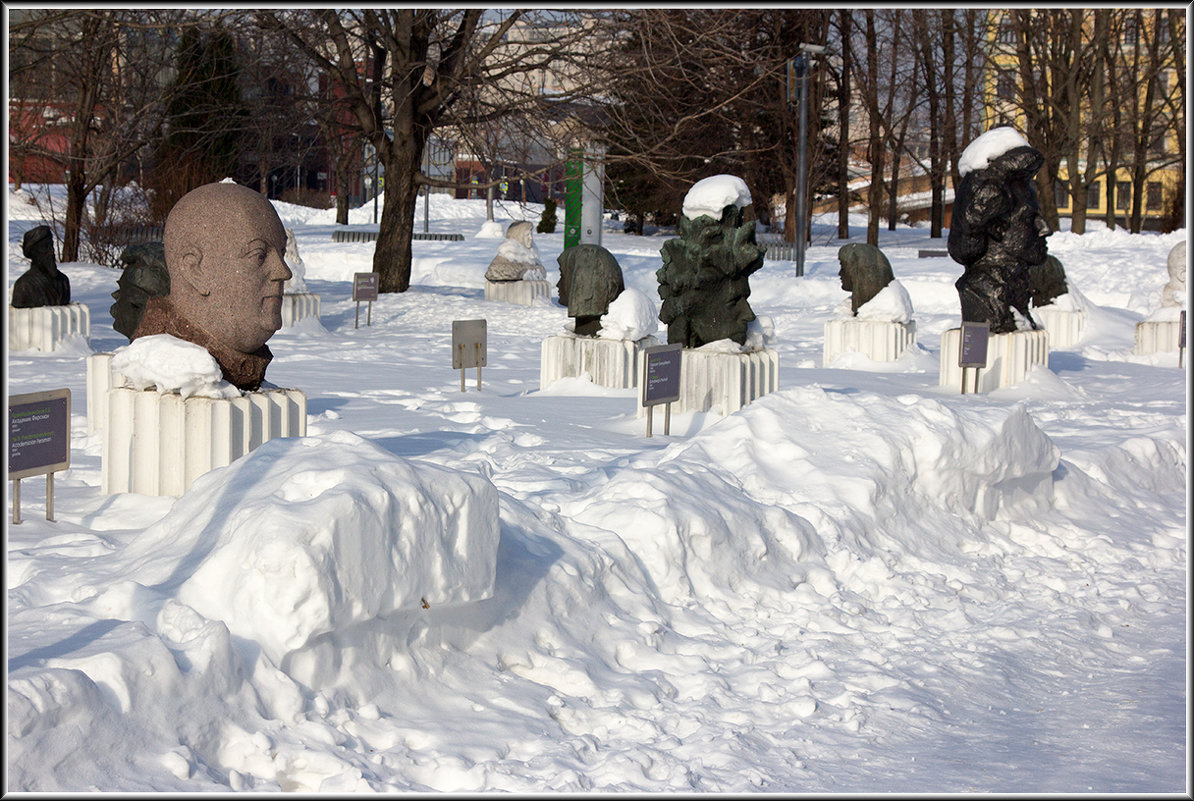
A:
974,344
661,381
364,287
469,347
38,441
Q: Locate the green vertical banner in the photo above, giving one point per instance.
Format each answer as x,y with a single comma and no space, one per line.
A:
573,183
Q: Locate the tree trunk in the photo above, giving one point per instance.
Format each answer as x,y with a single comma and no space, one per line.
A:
843,121
392,258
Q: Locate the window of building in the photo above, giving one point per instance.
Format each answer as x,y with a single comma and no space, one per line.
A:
1007,32
1092,195
1123,195
1061,193
1131,32
1153,199
1005,86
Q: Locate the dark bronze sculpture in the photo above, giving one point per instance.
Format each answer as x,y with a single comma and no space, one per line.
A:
594,280
997,233
225,249
1046,281
144,277
864,272
703,281
44,284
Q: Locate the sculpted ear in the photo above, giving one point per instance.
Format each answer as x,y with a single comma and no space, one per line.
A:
190,264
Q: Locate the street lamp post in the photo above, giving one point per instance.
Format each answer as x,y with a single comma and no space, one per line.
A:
801,65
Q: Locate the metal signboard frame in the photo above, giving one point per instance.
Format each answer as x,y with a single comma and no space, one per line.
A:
364,287
661,381
38,441
469,347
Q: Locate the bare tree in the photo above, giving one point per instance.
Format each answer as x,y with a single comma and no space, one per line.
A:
405,72
108,70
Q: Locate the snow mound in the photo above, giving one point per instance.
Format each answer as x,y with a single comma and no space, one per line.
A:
490,229
631,315
710,195
890,304
169,364
305,537
991,145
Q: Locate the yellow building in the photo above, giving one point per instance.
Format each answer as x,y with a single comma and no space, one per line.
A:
1142,52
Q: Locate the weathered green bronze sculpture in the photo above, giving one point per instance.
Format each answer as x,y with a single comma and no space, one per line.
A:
590,279
703,283
144,277
864,272
1046,281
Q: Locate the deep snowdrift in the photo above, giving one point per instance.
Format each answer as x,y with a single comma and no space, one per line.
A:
862,582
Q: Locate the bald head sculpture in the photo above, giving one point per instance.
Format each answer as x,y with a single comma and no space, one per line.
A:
225,248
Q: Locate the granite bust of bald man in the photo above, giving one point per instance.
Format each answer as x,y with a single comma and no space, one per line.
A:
225,248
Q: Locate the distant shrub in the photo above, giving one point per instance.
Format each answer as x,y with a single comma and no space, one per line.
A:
547,223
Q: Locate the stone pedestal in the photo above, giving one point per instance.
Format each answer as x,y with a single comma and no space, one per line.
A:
613,363
298,306
879,340
43,328
1064,326
1154,336
724,382
158,444
1009,358
520,292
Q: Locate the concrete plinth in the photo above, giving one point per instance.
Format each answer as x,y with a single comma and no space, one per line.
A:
879,340
1009,358
298,306
99,381
520,292
1154,336
725,382
45,327
1064,326
613,363
158,444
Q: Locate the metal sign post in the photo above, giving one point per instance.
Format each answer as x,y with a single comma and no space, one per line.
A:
972,351
661,382
364,287
469,347
38,442
1181,338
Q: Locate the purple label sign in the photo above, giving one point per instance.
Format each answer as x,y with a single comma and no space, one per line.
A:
38,433
974,345
364,286
661,379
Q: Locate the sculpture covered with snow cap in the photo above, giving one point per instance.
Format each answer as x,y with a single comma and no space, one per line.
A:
297,283
517,258
998,231
1174,292
703,283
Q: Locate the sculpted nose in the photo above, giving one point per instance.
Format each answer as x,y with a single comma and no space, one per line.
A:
1042,227
280,270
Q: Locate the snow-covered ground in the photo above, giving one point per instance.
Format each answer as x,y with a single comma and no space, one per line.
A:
862,582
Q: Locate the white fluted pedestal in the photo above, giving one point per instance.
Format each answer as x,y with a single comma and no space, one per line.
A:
45,327
613,363
299,306
878,340
1064,326
1009,359
1155,336
158,444
520,292
725,382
